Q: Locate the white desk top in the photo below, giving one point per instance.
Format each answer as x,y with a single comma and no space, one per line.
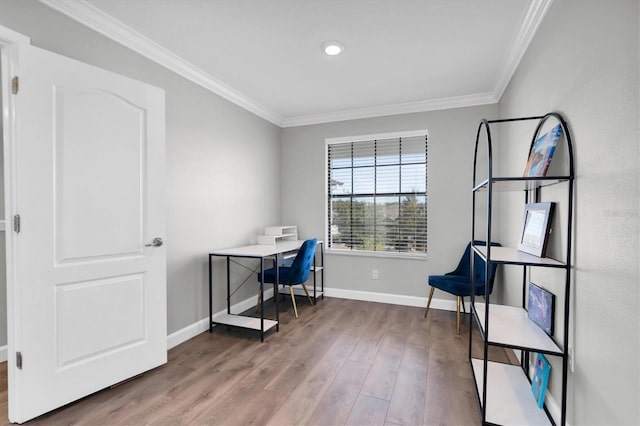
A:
260,250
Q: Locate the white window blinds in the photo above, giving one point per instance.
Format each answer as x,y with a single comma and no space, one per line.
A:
377,195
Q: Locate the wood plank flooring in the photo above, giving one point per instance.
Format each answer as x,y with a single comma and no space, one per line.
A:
342,362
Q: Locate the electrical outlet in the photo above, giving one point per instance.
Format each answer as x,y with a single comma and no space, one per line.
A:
374,274
571,359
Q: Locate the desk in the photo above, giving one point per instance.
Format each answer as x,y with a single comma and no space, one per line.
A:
262,252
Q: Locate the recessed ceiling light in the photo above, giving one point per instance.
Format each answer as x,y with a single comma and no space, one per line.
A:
332,48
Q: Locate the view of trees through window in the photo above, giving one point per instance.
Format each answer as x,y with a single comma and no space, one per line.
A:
377,195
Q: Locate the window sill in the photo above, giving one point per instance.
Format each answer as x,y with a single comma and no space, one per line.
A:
391,255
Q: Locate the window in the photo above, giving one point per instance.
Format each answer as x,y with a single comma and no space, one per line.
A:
377,193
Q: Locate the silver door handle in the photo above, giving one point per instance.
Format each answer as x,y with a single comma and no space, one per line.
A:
157,242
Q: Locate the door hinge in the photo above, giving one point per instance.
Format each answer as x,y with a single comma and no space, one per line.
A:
19,360
16,223
15,85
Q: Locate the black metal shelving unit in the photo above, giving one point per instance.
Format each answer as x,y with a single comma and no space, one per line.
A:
504,390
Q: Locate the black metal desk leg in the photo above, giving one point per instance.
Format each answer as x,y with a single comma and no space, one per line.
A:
228,285
262,299
210,302
275,294
322,270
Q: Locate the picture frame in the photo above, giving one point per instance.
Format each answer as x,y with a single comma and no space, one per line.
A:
534,231
542,152
540,379
541,305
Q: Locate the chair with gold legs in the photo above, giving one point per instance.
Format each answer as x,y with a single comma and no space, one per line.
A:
296,274
458,282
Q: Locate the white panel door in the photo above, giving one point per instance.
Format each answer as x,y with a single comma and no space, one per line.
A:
88,304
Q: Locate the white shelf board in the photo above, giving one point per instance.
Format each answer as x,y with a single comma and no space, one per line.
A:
244,322
509,325
273,239
514,256
281,229
520,183
509,397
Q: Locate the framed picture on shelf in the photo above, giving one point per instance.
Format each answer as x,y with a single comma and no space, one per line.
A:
536,224
542,152
541,307
541,371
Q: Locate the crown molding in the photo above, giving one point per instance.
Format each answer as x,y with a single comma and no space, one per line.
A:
103,23
394,109
8,36
528,26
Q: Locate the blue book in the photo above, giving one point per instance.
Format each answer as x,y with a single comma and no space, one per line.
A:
540,379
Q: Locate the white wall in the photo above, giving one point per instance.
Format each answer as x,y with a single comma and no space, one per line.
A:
583,62
450,150
222,161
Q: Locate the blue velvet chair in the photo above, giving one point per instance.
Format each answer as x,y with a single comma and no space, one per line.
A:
458,282
296,274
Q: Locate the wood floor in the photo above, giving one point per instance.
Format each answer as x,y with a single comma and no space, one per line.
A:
341,362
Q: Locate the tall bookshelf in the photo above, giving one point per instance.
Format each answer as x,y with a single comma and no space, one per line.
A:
504,390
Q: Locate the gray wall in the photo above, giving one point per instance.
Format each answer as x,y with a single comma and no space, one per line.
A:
222,161
583,62
450,150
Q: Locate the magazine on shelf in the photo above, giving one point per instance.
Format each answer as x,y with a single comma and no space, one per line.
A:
541,371
542,152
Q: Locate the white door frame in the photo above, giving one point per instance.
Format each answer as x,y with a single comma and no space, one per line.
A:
10,42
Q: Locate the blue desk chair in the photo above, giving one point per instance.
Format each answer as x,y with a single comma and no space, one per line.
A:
458,282
296,274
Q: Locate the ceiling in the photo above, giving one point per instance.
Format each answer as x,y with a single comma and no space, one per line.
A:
265,55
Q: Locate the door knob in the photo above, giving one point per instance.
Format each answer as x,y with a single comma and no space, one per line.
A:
157,242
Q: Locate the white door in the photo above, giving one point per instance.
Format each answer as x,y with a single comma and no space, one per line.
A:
87,304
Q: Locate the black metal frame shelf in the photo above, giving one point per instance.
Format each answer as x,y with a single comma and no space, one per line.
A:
503,390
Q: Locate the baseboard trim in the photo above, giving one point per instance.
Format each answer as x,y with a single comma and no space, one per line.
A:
191,331
394,299
4,353
553,407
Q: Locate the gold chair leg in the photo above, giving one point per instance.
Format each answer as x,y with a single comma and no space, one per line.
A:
293,300
259,300
429,301
458,313
307,293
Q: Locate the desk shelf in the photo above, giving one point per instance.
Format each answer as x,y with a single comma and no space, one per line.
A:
244,322
275,234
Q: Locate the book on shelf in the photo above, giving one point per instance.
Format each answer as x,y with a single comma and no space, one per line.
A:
541,371
541,307
542,152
